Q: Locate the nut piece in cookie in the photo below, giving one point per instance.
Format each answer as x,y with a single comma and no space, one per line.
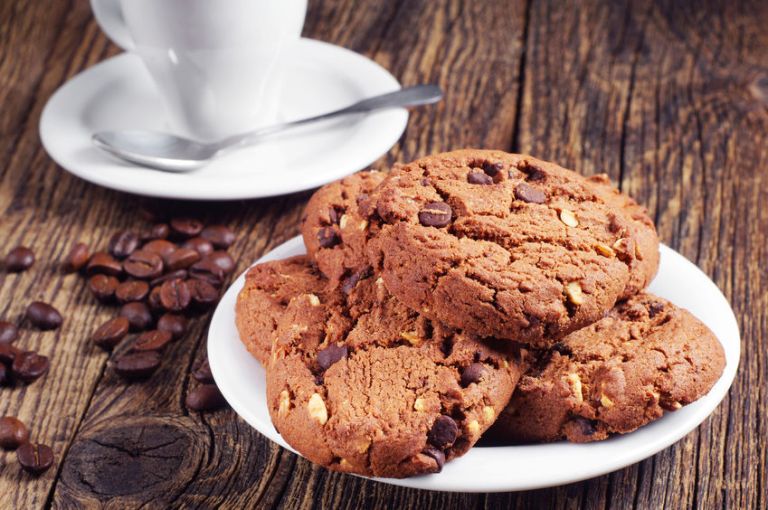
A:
620,373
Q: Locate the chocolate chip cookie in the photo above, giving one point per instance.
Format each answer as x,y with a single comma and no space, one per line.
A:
646,357
504,245
337,223
360,383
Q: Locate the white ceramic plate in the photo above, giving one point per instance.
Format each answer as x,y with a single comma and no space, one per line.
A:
507,468
119,94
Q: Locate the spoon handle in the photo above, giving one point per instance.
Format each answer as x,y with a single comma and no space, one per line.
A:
403,98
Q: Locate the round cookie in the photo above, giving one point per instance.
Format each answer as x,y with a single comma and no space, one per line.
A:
337,223
360,383
646,357
504,245
268,289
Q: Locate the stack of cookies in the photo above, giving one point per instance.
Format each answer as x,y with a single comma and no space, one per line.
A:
466,294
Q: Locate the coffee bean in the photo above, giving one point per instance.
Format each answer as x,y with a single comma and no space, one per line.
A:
443,433
175,295
154,340
154,302
182,259
528,193
77,258
203,372
13,433
205,397
144,265
104,263
330,355
472,374
5,376
200,245
43,316
159,247
138,315
109,334
208,271
156,231
34,458
203,293
186,227
8,353
477,177
327,237
435,214
8,332
179,274
123,244
223,260
173,323
19,259
137,365
219,235
103,287
436,454
132,290
29,366
492,168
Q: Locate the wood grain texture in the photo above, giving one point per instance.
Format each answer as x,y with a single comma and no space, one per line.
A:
669,98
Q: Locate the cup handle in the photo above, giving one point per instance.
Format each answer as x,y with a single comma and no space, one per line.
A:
110,18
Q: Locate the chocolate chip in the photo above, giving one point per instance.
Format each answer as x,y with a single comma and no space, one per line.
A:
350,282
203,372
43,316
160,247
654,309
330,355
179,274
173,323
334,214
186,227
155,340
123,244
435,214
77,258
205,397
144,265
138,315
19,259
35,458
436,454
203,293
528,193
200,245
327,237
443,433
472,374
29,366
137,365
103,263
13,433
175,295
109,334
492,168
103,286
132,290
585,426
219,235
156,231
223,260
182,258
8,332
533,172
476,177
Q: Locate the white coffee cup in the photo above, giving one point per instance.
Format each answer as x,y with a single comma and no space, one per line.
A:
218,65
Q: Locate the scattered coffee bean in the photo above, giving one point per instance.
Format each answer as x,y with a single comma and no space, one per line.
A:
436,454
222,259
435,214
138,315
200,245
144,265
104,263
154,340
103,287
138,365
443,433
5,377
29,366
8,332
109,334
34,458
205,397
123,244
330,355
179,274
182,258
208,271
219,235
203,372
203,293
477,177
327,237
8,353
43,316
154,301
19,259
156,231
131,290
13,433
186,227
528,193
175,295
472,374
159,247
173,323
77,258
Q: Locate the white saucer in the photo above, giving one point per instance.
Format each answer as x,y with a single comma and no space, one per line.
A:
506,468
119,94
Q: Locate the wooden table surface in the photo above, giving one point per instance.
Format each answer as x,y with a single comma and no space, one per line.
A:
670,98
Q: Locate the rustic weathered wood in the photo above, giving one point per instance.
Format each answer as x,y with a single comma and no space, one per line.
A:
669,98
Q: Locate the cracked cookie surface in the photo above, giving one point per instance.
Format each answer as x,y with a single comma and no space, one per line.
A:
508,246
360,383
646,357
